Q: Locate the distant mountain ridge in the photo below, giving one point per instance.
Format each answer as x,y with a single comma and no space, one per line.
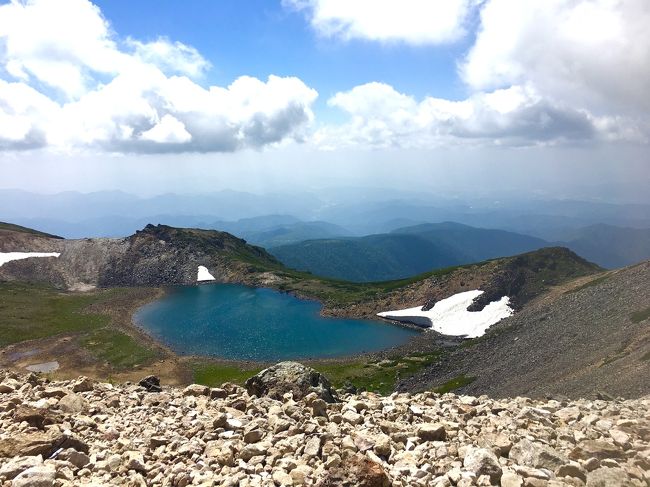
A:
436,245
403,252
610,246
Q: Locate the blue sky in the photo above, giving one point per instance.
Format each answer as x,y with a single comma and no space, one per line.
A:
326,89
260,37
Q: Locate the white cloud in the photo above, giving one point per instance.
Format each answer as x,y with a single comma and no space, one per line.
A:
68,84
540,72
173,57
24,116
593,54
382,117
58,43
409,21
168,131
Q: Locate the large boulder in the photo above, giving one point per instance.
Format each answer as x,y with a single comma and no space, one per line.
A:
290,377
536,455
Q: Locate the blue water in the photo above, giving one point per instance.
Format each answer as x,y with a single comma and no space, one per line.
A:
243,323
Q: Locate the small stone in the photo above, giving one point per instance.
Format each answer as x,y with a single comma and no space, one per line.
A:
83,384
482,461
218,393
282,478
151,383
76,458
72,403
38,476
510,479
382,446
572,470
597,449
16,465
312,447
57,392
352,417
432,432
252,450
319,407
620,438
608,477
196,390
134,461
253,436
300,474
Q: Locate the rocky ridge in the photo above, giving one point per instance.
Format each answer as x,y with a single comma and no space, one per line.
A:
83,432
155,256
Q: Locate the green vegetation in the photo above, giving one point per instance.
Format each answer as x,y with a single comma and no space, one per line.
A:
33,311
214,374
18,228
375,376
639,316
117,348
30,311
541,268
455,383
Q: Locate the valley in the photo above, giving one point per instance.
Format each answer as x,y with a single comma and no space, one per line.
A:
89,309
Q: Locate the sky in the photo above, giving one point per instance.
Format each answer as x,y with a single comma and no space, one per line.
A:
541,96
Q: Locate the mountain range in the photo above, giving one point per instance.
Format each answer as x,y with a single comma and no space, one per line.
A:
411,250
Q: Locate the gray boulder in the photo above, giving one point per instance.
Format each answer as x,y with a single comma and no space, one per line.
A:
608,477
482,461
537,455
290,377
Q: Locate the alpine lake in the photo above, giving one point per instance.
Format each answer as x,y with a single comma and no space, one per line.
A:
235,322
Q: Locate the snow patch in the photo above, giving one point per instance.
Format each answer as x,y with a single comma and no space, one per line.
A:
204,274
450,316
9,256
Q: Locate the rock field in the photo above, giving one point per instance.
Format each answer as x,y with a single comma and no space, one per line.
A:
83,432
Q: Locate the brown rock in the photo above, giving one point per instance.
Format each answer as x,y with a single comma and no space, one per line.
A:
608,477
29,444
432,432
72,403
596,449
359,471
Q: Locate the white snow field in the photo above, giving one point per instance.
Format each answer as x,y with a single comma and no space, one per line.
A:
450,316
203,274
9,256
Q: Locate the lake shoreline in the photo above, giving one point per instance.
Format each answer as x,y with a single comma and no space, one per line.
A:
263,300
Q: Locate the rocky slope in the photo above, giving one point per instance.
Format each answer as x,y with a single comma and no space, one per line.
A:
156,255
87,433
573,341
